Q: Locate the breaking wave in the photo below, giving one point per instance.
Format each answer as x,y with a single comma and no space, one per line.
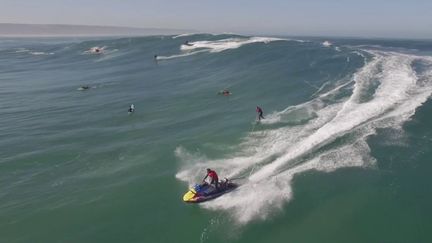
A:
226,44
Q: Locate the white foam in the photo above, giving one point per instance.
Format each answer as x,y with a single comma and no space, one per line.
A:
360,54
397,79
184,35
179,55
39,53
21,50
270,158
219,45
327,43
96,50
226,44
271,118
259,200
35,53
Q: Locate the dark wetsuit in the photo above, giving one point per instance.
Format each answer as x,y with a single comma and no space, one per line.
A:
260,113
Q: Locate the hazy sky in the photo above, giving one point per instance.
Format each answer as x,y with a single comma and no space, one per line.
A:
367,18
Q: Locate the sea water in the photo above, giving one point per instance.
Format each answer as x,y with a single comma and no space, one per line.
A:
343,154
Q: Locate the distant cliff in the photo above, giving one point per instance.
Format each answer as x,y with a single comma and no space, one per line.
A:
79,30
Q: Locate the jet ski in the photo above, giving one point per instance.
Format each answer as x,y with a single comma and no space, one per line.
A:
204,192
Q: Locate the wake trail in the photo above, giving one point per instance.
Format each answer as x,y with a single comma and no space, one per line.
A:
385,93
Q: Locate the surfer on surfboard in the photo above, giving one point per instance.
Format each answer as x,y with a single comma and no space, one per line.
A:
131,108
260,113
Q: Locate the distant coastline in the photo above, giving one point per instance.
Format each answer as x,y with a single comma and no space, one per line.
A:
53,30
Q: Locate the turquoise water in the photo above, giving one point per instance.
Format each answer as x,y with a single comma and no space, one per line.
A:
342,156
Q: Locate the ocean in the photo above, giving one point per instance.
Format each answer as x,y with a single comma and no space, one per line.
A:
343,154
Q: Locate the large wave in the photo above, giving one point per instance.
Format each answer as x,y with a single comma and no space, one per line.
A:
214,46
385,93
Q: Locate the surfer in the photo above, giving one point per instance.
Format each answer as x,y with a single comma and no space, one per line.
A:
131,108
96,50
187,43
85,87
260,113
224,92
213,177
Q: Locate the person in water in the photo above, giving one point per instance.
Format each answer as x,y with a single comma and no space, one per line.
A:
260,113
131,108
224,92
188,44
214,178
96,50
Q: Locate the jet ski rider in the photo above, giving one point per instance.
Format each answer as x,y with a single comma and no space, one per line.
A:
214,178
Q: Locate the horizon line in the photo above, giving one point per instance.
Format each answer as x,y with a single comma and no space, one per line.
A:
247,33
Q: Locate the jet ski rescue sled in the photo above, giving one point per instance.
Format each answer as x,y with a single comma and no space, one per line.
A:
204,192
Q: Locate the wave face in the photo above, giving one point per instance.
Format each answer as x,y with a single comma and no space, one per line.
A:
384,93
72,146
